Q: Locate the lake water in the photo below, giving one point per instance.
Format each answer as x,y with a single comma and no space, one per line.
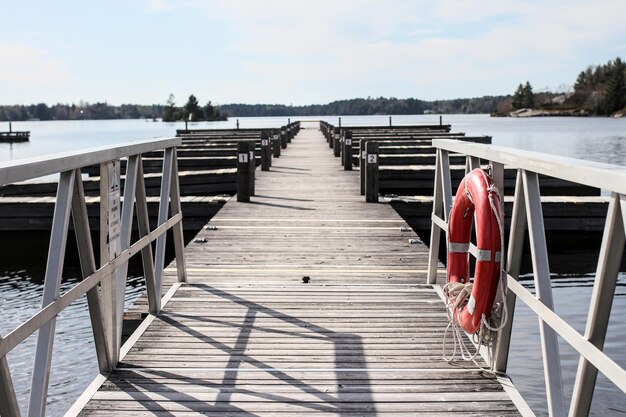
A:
599,139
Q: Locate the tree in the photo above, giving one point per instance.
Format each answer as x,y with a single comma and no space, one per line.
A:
192,110
209,111
518,98
523,98
615,90
169,114
528,96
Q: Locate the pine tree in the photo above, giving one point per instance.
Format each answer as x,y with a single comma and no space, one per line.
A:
615,90
518,98
528,100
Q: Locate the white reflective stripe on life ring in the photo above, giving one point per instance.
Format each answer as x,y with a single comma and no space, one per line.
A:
458,247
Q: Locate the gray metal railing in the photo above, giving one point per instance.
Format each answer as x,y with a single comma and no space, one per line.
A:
104,286
527,213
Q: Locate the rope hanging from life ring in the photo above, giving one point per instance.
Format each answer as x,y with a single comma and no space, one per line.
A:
470,305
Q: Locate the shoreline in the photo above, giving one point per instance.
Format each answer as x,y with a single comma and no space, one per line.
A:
524,113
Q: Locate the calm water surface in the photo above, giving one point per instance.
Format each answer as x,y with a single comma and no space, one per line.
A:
74,361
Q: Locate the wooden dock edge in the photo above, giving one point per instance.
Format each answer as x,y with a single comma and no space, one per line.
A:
100,379
504,380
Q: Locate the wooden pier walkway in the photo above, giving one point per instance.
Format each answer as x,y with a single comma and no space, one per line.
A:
246,336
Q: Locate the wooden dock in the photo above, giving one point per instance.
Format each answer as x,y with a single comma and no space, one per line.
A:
247,336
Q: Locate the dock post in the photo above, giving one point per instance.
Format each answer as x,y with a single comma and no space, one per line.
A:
389,121
362,163
276,144
252,166
339,121
337,142
330,136
290,134
266,154
10,128
440,120
283,137
371,172
243,171
347,150
237,124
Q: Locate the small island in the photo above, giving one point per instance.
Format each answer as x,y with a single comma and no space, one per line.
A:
191,111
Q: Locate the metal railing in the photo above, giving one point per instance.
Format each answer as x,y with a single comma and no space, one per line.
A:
527,213
104,286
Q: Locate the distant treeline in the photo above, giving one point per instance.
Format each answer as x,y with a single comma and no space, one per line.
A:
369,106
598,90
96,111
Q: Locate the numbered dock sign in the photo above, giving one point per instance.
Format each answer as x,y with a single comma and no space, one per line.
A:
265,142
372,158
243,158
349,142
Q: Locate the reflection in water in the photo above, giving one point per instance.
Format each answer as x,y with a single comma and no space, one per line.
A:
74,361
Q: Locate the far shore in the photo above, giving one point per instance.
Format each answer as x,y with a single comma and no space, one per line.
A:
552,113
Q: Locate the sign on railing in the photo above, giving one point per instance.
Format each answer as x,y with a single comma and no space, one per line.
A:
105,285
527,214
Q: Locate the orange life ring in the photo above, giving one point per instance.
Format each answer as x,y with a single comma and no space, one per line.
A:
476,194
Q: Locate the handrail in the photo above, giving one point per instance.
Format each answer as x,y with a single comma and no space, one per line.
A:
29,168
593,174
527,214
104,286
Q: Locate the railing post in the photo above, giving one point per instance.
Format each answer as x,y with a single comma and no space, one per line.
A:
8,400
371,172
515,249
266,155
109,248
243,171
609,261
166,183
121,274
362,164
88,267
543,288
52,284
177,230
147,257
442,199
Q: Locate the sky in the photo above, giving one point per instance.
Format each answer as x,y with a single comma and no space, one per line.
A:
296,52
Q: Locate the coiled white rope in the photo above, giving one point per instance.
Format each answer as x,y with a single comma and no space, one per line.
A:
457,296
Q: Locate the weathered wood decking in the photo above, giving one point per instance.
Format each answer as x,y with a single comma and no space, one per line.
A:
248,337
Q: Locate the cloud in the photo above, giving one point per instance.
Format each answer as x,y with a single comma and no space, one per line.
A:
29,66
159,6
